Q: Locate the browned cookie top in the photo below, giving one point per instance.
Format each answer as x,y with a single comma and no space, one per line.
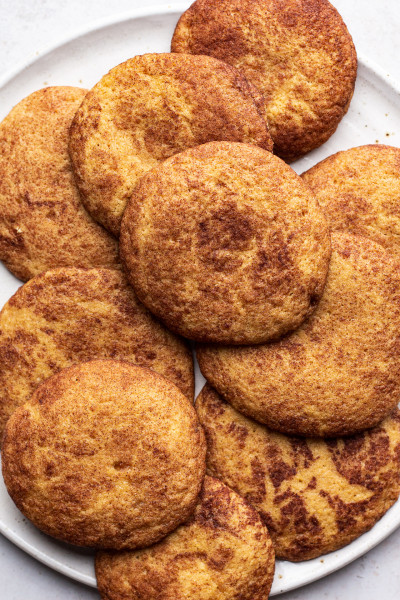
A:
222,552
149,108
43,223
314,495
339,372
359,191
71,315
298,53
225,243
105,454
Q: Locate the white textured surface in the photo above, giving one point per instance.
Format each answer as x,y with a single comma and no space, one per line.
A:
27,27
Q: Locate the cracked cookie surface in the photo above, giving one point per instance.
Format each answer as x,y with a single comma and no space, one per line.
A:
152,107
336,374
224,551
225,243
358,190
105,454
314,495
70,315
298,53
43,223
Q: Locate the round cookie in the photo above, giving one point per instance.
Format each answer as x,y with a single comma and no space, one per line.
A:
314,495
43,223
359,191
105,454
224,243
223,552
70,315
298,53
336,374
149,108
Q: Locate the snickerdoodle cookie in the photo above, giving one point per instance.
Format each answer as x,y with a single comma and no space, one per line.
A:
359,191
70,315
223,552
339,372
314,495
298,53
225,243
149,108
105,454
43,223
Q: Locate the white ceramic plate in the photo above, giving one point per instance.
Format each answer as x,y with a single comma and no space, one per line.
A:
374,116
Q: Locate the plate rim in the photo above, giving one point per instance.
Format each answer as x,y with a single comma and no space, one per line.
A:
373,71
156,10
45,558
353,553
96,25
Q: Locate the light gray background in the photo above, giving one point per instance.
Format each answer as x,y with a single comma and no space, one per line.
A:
27,26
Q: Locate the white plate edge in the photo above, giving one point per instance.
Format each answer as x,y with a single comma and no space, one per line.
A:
96,25
138,13
110,21
45,559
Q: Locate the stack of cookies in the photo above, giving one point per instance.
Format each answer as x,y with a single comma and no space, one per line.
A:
287,285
